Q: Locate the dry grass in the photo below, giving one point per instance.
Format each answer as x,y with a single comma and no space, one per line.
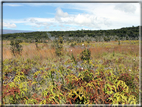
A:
30,51
75,51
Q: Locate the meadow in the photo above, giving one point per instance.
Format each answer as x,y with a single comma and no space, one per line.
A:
84,73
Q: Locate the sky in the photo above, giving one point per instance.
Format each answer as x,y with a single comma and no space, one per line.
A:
70,16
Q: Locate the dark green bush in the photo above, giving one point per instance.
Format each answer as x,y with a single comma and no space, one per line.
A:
119,42
73,44
15,48
36,42
85,55
59,46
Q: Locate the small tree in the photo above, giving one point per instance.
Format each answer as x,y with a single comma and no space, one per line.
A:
59,46
85,55
119,42
73,44
36,42
16,48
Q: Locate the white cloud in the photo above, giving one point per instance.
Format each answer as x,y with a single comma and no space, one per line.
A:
88,20
116,18
9,25
79,20
127,7
83,19
94,16
60,13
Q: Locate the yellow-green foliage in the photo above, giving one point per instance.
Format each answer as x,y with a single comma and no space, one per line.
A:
106,80
120,93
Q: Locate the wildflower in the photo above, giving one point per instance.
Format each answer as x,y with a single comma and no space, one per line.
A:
129,70
82,68
71,49
82,44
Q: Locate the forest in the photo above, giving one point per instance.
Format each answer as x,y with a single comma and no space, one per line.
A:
128,33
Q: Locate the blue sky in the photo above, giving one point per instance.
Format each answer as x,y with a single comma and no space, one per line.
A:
70,16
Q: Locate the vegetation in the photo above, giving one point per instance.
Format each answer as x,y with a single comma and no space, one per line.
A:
128,33
86,54
16,48
60,73
59,46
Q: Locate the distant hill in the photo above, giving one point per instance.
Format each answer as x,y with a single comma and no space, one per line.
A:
8,31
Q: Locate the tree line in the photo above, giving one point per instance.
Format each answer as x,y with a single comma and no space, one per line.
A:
126,33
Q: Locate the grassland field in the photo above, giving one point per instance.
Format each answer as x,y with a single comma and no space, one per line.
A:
39,76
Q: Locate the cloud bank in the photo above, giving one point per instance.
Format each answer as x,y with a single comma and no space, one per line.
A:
95,16
9,25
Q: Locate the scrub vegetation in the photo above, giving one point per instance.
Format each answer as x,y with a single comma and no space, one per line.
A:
56,68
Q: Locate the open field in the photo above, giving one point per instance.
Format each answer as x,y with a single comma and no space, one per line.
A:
39,76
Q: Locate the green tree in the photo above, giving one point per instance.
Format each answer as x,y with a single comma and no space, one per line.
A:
15,48
59,46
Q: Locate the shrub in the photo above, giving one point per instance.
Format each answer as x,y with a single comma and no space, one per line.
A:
16,48
73,58
59,46
85,55
119,42
73,44
36,42
77,96
86,75
127,79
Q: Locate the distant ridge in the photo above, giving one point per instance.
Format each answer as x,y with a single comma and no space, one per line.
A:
9,31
